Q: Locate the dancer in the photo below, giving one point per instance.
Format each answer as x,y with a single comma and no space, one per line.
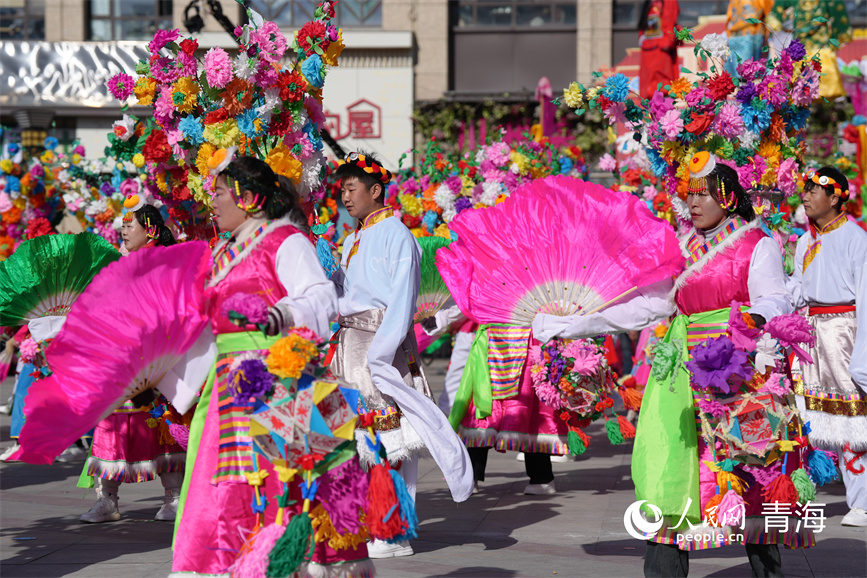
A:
830,282
268,254
658,45
746,32
125,448
729,260
378,284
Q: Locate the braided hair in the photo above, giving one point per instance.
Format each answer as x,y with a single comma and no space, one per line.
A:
277,194
726,175
150,216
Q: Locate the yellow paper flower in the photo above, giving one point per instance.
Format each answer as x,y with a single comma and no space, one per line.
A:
161,181
197,188
521,161
206,151
660,330
47,158
769,178
6,165
680,87
282,162
467,185
145,89
138,160
334,49
223,134
443,231
410,205
593,93
418,232
185,94
673,151
288,357
573,95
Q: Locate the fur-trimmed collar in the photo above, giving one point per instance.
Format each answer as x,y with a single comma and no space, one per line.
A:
716,250
281,222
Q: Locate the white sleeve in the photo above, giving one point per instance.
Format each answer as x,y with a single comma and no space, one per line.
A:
795,283
646,307
444,318
310,295
767,281
858,363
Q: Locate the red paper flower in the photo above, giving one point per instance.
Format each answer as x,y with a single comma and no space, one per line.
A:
282,123
156,148
39,227
189,46
311,34
720,86
699,123
292,86
661,202
216,116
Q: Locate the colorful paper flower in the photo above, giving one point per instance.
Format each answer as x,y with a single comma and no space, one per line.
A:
715,362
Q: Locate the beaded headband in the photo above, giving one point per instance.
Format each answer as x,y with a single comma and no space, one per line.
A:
369,166
825,181
701,165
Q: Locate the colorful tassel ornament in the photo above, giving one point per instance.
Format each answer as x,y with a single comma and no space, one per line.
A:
252,562
821,467
407,512
804,486
729,480
614,435
731,509
294,547
631,397
627,430
710,510
781,490
578,441
383,522
181,434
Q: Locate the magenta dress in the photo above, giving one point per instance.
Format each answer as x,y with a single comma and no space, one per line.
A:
215,513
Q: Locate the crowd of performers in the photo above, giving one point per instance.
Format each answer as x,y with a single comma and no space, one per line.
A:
287,414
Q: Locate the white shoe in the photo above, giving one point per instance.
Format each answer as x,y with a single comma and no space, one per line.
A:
855,517
476,489
540,489
559,459
378,549
520,457
169,508
9,451
72,454
104,510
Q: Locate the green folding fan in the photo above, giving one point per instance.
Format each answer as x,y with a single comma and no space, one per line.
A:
45,275
432,293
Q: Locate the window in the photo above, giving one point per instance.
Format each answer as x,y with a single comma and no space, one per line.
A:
294,13
857,13
127,19
519,14
22,19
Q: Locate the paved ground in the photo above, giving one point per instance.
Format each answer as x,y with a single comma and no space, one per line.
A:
498,532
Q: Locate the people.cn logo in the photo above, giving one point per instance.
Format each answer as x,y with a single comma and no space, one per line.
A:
635,523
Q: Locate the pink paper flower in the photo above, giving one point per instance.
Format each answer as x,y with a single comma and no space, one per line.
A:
778,384
806,87
498,153
587,359
741,334
120,86
218,67
271,42
308,334
787,174
608,163
161,38
671,123
251,307
792,330
728,122
29,349
712,407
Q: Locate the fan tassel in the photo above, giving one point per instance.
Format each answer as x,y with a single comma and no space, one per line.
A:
711,508
180,433
821,466
578,441
293,548
252,561
804,486
631,397
382,501
730,511
613,430
729,480
326,259
781,490
627,430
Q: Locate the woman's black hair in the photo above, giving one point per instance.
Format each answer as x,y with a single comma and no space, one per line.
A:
151,216
729,178
642,19
279,193
353,171
840,178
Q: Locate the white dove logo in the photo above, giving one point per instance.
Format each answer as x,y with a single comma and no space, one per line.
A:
637,526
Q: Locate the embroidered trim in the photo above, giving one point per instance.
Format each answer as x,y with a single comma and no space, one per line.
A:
372,219
816,240
245,252
226,256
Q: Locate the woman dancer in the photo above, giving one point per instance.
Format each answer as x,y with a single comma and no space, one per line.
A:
126,448
728,259
267,254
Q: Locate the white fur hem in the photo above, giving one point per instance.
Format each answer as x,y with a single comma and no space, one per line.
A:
831,432
134,472
400,444
358,569
681,281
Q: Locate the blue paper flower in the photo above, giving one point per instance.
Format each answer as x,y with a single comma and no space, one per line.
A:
313,134
430,221
756,116
193,129
50,143
657,163
247,124
312,71
616,88
13,183
565,165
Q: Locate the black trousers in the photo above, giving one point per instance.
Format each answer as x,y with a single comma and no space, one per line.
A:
666,560
537,466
